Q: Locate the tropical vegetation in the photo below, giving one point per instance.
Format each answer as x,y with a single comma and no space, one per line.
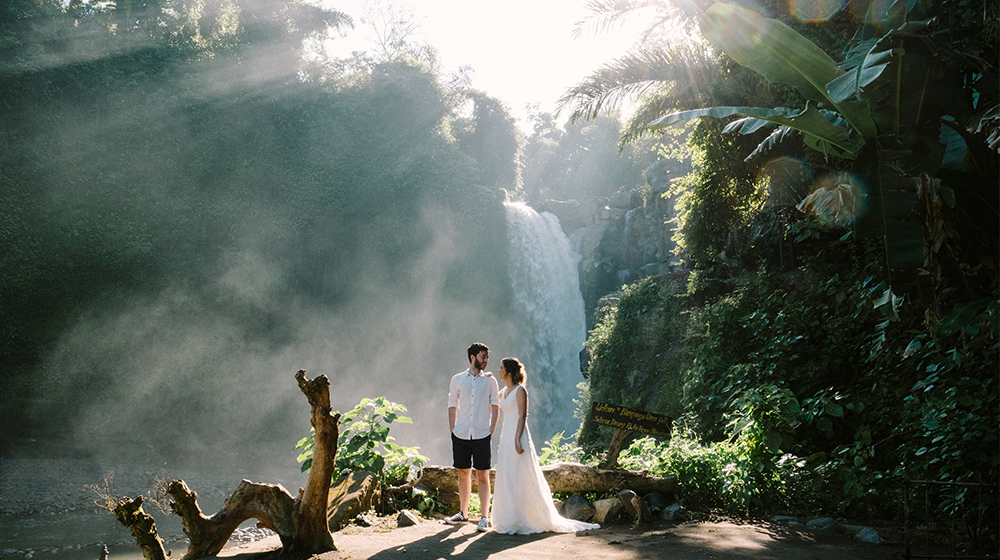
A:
833,332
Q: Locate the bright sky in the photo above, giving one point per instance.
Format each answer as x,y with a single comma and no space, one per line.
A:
521,51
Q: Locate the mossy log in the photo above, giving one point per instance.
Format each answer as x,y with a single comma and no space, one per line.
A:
300,521
564,477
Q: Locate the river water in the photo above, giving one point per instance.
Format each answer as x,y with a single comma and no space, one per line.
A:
48,511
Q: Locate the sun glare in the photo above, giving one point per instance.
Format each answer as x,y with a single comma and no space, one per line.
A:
521,51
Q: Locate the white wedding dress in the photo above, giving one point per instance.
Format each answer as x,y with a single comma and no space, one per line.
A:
522,501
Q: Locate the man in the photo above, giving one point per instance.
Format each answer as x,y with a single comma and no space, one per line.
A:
473,409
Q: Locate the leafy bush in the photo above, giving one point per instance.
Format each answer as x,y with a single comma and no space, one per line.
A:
793,385
364,443
555,451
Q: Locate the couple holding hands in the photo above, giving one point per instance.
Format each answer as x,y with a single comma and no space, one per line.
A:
522,502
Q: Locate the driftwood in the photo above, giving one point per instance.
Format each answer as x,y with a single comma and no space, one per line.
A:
564,477
300,522
129,513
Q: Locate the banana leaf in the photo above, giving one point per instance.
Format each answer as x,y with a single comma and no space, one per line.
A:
850,84
820,133
780,54
771,48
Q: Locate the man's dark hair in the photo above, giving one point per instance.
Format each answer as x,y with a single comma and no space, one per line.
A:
476,348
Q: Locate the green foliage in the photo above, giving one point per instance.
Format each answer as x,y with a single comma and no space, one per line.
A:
492,138
716,197
823,359
364,443
733,475
793,384
865,115
634,356
555,451
427,502
952,407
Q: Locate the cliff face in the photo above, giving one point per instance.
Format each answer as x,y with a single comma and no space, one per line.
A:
619,240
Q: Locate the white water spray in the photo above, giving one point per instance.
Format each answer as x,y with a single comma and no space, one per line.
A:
552,325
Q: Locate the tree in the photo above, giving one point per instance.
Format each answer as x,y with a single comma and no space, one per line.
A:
492,138
396,33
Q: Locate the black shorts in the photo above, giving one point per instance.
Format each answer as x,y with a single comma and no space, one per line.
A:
471,453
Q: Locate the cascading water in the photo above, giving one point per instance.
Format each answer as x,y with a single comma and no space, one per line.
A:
551,321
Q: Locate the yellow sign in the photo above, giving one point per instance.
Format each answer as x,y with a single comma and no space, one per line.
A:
631,419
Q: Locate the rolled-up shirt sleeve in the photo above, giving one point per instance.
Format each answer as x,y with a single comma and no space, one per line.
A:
453,393
494,393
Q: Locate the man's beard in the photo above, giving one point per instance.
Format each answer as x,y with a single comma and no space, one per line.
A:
480,365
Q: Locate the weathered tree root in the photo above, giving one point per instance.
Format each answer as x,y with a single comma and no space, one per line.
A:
129,513
270,504
300,522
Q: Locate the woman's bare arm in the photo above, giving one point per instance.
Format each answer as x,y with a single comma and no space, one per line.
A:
522,415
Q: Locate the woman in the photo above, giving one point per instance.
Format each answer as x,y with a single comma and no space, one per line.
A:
522,501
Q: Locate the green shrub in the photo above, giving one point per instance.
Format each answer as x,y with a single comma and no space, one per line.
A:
555,451
364,443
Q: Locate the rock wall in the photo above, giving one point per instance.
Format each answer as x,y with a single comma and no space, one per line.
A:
619,240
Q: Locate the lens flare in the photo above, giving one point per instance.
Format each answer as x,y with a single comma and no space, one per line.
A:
840,199
812,11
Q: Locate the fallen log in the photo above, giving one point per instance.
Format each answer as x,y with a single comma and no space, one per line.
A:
563,477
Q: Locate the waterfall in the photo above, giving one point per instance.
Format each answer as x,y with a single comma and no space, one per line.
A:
550,318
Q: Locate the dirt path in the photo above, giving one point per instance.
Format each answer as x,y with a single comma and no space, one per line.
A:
431,540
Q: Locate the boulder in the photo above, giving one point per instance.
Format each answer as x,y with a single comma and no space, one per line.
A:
577,507
450,503
675,512
823,524
631,502
407,518
637,509
607,510
657,501
571,214
350,496
869,535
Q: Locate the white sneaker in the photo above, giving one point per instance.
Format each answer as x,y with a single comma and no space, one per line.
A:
484,524
455,519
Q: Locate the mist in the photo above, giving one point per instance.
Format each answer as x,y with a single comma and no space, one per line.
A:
188,224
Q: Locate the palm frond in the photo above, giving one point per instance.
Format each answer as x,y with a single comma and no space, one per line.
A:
651,107
681,70
606,14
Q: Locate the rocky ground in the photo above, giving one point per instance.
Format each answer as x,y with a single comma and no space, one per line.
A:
695,540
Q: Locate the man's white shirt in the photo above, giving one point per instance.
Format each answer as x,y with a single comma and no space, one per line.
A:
472,395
